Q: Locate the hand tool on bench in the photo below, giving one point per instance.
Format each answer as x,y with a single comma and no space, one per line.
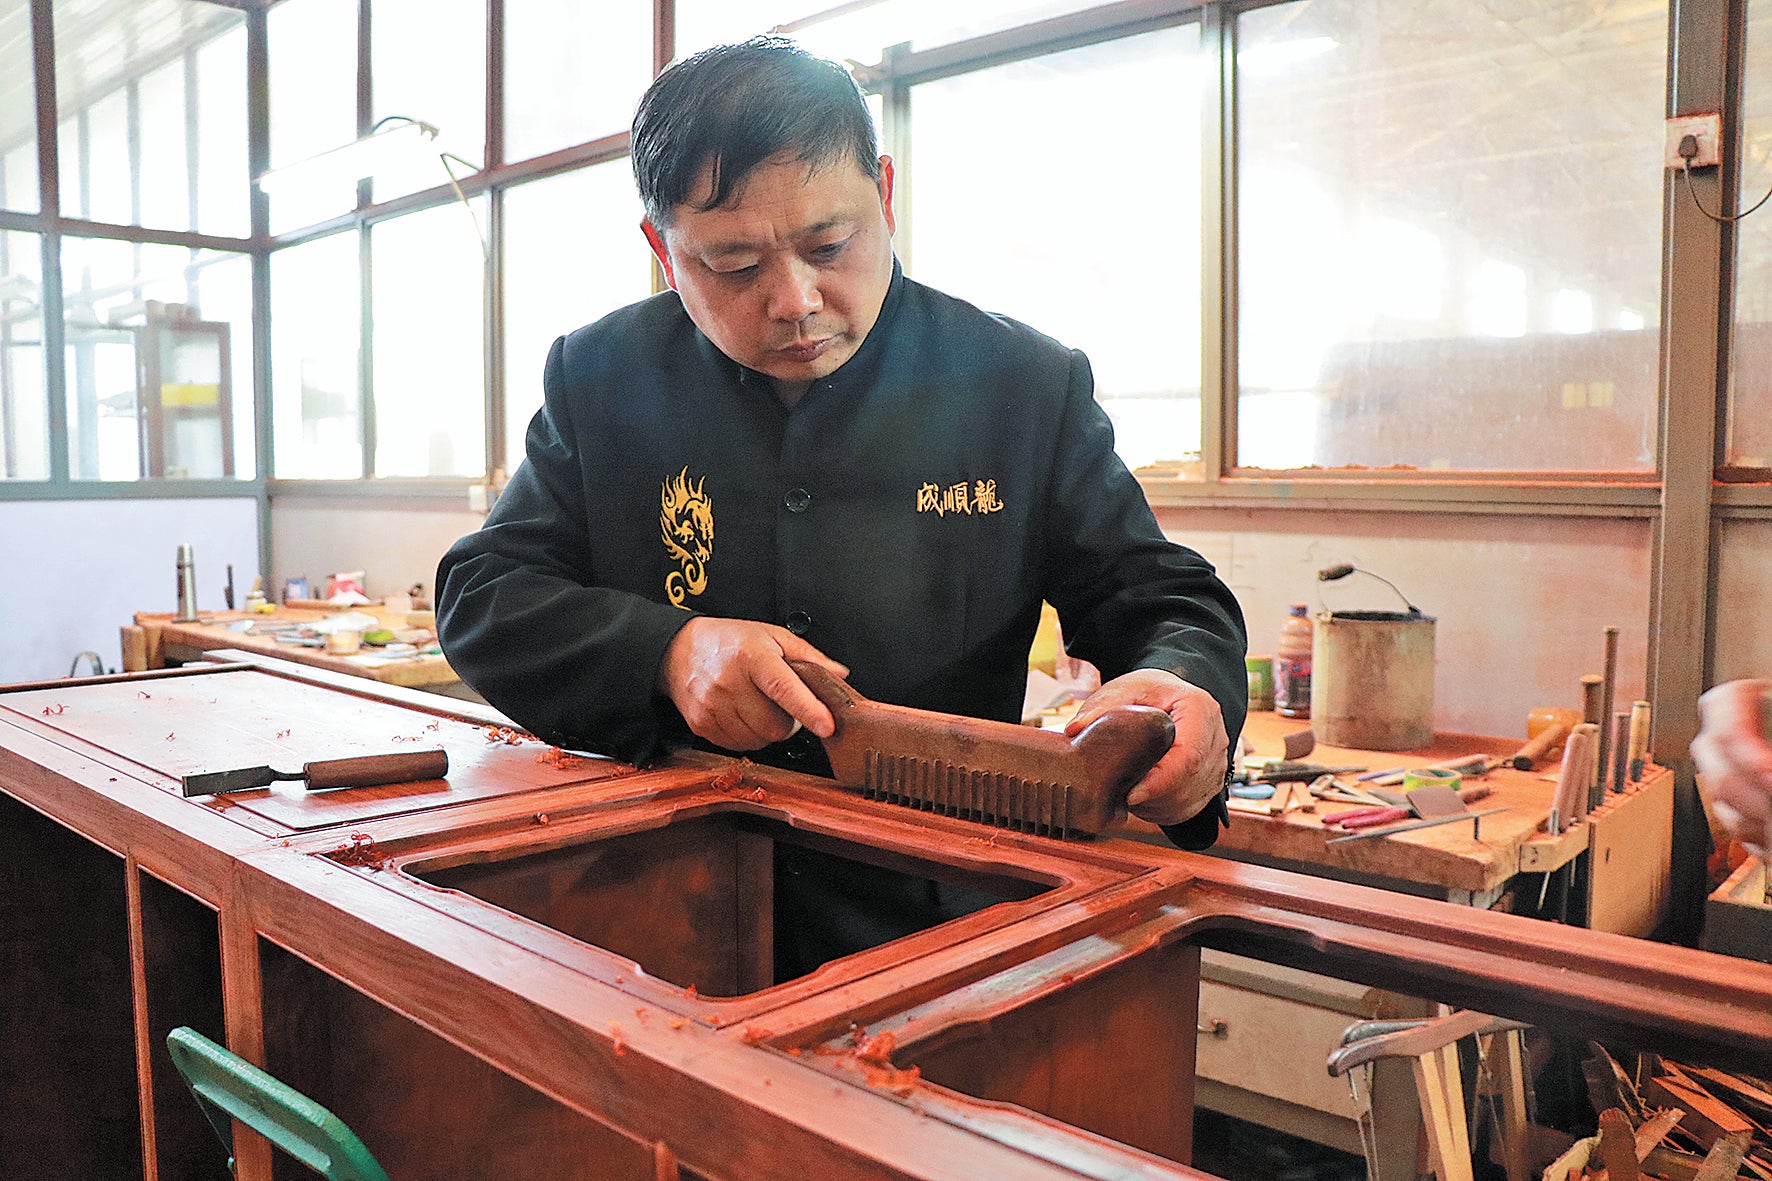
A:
405,766
1415,824
1019,777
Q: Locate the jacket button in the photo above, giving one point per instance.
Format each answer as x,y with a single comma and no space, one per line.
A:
799,622
796,500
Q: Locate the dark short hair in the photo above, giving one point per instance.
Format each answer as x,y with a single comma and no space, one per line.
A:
734,107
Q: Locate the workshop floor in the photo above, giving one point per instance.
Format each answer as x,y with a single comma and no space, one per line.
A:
1239,1151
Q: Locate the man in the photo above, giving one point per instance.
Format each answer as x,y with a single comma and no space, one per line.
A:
1732,754
800,454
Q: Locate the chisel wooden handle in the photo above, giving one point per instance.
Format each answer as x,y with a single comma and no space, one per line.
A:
369,770
1528,755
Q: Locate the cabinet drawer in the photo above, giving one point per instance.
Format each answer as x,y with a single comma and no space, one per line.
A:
1274,1046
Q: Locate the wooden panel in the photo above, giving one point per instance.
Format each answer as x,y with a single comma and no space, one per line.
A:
172,640
1630,850
230,718
181,943
427,1110
1275,1047
67,1033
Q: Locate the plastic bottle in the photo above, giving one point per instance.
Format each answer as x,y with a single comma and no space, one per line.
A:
1292,665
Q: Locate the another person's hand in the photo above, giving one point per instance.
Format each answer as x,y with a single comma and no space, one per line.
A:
730,680
1735,759
1191,774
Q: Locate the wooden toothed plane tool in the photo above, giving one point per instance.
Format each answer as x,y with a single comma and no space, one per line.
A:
1023,778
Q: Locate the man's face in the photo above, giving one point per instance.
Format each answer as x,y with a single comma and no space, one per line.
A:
787,277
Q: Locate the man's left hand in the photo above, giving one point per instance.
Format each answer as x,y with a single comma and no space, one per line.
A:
1191,774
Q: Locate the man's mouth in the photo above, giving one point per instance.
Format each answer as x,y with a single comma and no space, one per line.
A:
802,351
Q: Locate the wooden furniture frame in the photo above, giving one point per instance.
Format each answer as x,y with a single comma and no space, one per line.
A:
363,947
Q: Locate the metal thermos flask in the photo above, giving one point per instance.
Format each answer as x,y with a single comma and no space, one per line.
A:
187,584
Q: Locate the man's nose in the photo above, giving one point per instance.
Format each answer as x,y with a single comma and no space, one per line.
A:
793,292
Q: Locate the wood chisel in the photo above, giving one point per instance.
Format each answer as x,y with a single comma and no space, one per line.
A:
362,771
977,769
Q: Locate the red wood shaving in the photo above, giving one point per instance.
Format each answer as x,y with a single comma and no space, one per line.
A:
434,726
679,1022
542,818
143,693
730,777
53,709
553,756
875,1056
282,734
618,1044
690,992
751,1035
506,735
360,851
171,736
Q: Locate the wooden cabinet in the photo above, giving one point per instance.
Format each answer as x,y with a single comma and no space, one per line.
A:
549,966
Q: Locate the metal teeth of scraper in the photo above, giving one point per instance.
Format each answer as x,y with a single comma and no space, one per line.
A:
989,797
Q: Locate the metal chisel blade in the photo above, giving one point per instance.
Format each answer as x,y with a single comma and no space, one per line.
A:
209,783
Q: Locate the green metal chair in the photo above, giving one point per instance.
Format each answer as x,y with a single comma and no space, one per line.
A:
230,1088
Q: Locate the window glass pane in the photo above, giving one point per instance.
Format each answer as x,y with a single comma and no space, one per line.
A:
1102,253
316,403
575,73
313,68
436,74
126,106
1750,400
429,372
224,189
151,380
857,31
24,392
1449,228
18,109
556,281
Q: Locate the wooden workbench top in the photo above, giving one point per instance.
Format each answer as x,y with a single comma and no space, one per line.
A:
1447,857
168,638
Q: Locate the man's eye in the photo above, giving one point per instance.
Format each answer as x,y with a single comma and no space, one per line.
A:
829,251
738,272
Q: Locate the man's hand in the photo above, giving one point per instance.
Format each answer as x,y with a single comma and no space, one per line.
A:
1191,775
731,681
1736,761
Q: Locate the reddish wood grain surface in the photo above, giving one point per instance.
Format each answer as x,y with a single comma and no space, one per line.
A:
417,1006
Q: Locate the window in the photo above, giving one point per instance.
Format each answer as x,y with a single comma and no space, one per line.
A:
24,393
574,72
152,114
313,68
316,402
151,333
1101,251
1448,235
18,110
1750,393
428,62
572,252
429,373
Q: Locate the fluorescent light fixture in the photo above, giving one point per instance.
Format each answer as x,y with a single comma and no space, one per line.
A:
405,140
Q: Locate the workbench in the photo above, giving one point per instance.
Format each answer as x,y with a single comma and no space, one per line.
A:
159,639
553,966
1271,1028
1476,863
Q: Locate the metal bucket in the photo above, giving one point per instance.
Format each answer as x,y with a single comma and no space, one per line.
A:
1372,679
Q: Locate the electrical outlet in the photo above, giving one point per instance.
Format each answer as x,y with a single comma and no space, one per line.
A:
1706,129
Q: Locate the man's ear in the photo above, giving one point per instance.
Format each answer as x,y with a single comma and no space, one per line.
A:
655,240
886,193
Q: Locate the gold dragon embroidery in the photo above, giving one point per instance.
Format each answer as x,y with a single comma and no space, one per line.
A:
686,522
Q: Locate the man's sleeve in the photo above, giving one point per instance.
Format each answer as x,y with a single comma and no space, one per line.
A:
521,621
1129,598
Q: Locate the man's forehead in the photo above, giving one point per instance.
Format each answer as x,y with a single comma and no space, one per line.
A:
778,197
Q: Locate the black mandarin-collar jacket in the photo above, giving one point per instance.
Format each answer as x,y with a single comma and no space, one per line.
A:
907,517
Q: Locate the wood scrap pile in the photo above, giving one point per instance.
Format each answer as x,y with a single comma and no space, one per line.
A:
1672,1121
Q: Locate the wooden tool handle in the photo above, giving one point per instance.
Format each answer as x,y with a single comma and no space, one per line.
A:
1123,744
369,770
1547,739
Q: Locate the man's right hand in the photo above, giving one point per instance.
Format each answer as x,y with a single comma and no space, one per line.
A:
730,680
1735,761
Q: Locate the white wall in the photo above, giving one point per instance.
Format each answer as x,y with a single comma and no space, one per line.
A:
1521,602
76,571
317,538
